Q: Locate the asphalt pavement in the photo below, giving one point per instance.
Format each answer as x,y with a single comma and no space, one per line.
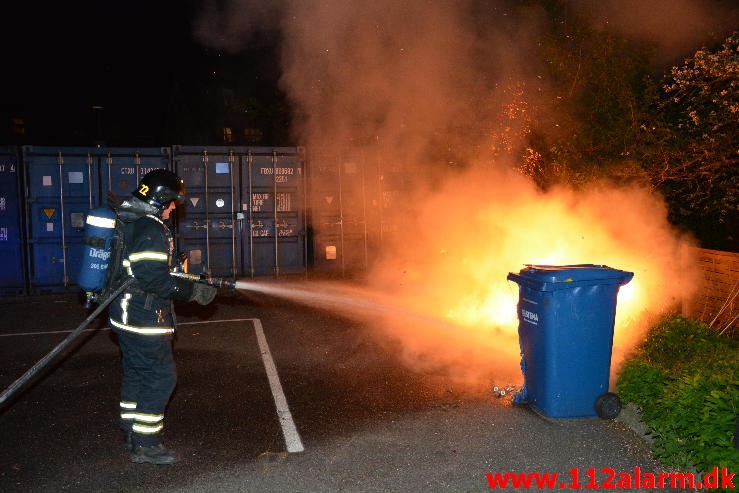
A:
277,396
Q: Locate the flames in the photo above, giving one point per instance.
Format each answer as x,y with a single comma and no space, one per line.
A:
453,261
440,290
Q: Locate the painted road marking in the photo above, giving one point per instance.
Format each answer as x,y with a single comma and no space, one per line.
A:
292,439
13,334
289,431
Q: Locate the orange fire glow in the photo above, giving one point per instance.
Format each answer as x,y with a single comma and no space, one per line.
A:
467,237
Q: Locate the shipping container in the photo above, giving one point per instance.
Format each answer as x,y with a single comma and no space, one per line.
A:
245,210
393,202
273,202
12,267
358,205
61,185
339,215
121,168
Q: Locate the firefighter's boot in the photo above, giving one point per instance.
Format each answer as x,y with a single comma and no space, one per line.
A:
154,454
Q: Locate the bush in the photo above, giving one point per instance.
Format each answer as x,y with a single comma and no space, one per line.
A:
683,377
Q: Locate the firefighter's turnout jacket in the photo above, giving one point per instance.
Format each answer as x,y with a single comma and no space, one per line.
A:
142,319
145,308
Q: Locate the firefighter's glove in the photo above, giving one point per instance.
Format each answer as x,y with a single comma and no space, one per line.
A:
202,293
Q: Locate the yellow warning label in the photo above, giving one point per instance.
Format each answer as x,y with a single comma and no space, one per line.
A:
49,212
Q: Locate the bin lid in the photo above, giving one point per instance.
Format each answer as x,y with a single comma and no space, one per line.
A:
547,277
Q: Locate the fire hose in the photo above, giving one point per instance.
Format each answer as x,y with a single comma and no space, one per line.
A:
217,282
43,362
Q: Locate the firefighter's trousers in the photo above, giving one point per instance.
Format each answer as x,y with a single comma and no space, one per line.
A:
149,377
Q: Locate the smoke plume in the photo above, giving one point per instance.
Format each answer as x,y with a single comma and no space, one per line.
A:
422,87
675,28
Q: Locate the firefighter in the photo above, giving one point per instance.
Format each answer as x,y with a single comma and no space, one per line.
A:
142,316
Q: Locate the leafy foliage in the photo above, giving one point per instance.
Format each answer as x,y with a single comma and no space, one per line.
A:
598,111
690,147
597,84
684,379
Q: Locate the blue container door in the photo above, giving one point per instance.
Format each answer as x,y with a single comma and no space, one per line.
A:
63,185
122,168
273,194
392,203
207,231
12,271
339,201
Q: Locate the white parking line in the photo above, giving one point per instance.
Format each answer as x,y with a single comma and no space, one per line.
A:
289,431
14,334
292,439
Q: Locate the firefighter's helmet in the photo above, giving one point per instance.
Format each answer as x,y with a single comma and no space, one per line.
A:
160,188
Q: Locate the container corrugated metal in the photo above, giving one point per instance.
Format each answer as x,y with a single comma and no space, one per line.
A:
12,267
359,206
121,168
62,184
393,197
207,231
244,212
273,184
339,221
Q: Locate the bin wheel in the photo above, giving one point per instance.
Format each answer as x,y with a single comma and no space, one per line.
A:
607,406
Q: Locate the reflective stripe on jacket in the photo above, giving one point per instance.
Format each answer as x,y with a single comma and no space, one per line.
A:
146,307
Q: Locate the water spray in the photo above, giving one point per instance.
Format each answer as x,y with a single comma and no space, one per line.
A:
342,298
430,340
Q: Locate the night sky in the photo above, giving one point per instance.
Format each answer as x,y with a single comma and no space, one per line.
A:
135,59
139,62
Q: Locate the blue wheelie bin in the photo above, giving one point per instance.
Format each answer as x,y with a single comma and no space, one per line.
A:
566,317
